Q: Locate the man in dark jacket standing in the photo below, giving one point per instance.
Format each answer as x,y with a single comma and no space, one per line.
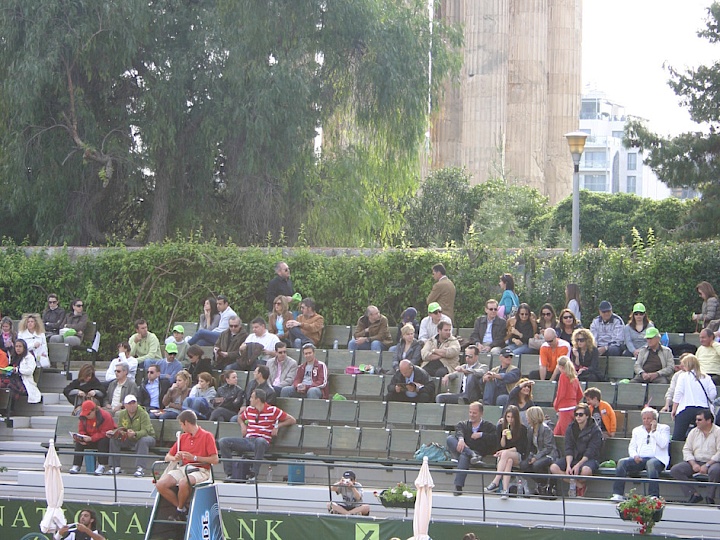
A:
473,439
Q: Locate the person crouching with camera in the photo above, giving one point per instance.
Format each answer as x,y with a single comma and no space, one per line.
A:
351,493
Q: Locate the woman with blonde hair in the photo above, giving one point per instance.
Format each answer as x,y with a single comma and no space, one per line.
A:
201,396
585,357
32,330
174,397
279,317
542,450
408,348
569,394
694,392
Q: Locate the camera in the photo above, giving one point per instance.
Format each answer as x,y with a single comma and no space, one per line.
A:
72,527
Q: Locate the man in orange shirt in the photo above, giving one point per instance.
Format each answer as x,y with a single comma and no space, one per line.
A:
551,350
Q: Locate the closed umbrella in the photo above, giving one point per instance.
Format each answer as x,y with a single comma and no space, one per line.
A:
423,502
54,518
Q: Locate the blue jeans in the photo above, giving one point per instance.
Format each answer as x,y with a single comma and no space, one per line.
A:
627,465
312,393
463,458
495,393
204,338
228,445
374,345
198,404
298,338
522,349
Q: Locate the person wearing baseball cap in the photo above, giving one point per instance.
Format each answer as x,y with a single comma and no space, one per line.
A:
428,326
93,425
135,432
500,380
635,328
351,492
654,363
178,338
608,329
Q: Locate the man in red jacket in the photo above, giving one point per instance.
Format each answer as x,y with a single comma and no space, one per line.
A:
92,429
311,380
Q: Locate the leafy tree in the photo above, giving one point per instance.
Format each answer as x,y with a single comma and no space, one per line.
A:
691,159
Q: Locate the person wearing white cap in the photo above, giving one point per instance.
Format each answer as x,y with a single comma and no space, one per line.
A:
135,432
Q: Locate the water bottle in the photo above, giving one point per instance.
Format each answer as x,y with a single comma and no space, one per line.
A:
335,344
572,492
522,487
269,473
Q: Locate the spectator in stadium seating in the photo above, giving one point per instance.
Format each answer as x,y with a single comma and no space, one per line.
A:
259,423
583,442
411,383
601,412
408,317
136,433
178,338
701,455
649,450
513,449
567,324
309,325
32,331
153,389
279,286
86,386
351,493
209,318
22,382
440,354
708,354
229,398
118,389
53,316
635,329
694,392
470,375
227,347
260,381
174,397
542,450
311,379
509,300
608,330
521,329
572,300
198,363
710,306
282,368
279,317
550,351
547,319
201,396
371,332
489,331
8,336
473,439
585,356
428,326
86,524
443,291
500,380
123,356
207,337
73,326
521,397
654,362
261,335
673,384
144,345
194,464
409,348
169,366
568,395
93,426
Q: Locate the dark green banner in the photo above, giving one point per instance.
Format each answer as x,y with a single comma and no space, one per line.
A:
20,520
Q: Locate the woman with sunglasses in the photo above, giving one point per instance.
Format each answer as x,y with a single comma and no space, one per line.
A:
279,317
635,329
520,329
73,326
583,442
547,319
569,394
566,325
585,356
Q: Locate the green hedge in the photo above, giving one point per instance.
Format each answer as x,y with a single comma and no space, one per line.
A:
168,282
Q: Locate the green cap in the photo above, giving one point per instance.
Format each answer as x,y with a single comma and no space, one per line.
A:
639,308
651,332
171,348
179,328
433,307
297,297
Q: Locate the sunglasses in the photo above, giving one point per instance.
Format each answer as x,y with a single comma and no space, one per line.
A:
546,314
278,303
568,317
79,305
52,301
234,325
579,414
492,309
580,340
638,313
550,340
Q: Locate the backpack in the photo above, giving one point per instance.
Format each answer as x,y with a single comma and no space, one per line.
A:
432,451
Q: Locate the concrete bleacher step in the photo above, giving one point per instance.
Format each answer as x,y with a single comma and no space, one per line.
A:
42,422
51,398
20,446
58,410
31,434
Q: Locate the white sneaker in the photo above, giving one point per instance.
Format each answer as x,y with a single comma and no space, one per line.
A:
117,471
74,469
617,498
100,470
139,472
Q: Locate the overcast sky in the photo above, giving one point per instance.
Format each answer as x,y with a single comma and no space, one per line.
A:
626,43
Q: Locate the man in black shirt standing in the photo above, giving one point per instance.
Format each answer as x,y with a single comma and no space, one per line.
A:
280,285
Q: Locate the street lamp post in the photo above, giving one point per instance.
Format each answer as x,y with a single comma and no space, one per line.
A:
576,141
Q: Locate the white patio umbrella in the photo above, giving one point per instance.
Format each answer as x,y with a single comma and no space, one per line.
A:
423,502
54,518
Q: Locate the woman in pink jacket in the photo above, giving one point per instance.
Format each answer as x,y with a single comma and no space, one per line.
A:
569,394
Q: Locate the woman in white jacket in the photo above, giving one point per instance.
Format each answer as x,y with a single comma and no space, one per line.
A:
23,383
32,330
694,392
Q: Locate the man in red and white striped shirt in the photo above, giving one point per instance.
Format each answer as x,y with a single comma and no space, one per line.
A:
259,423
